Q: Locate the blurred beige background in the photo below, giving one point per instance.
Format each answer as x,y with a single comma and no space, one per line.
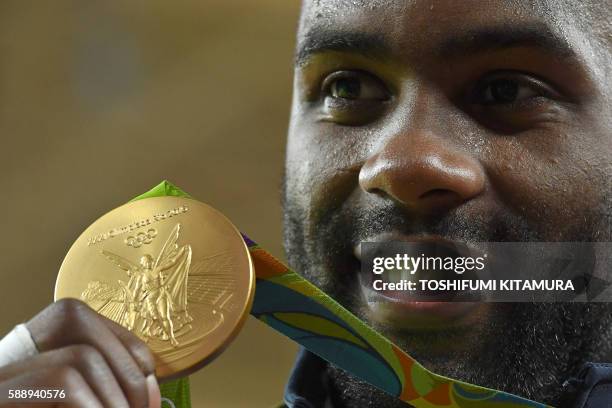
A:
101,100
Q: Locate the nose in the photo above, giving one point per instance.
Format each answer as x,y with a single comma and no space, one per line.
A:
423,172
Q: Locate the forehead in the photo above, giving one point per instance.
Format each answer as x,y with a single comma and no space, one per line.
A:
417,26
424,13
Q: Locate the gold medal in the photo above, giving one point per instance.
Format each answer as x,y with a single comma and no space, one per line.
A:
174,271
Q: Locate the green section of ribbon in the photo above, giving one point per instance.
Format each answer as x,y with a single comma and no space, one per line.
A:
176,391
163,189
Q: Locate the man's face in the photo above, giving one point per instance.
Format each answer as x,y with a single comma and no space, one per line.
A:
466,121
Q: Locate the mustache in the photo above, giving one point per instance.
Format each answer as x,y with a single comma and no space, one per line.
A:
460,224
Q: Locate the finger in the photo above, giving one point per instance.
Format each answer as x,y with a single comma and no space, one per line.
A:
90,363
137,348
77,392
70,321
154,392
45,326
96,371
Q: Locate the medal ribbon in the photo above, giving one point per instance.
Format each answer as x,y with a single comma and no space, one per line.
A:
298,309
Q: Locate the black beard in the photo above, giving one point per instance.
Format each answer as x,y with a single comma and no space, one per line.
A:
527,349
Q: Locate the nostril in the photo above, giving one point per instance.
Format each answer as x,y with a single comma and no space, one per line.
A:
439,199
376,191
438,193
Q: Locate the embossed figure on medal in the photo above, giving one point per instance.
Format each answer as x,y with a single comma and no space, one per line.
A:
153,301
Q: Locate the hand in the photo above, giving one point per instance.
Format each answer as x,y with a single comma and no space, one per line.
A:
95,361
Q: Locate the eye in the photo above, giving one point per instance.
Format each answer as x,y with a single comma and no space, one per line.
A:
505,91
353,98
513,101
347,88
509,89
354,85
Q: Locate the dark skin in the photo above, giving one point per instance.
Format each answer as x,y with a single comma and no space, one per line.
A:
96,362
471,121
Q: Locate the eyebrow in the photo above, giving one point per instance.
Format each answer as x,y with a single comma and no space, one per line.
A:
318,41
505,36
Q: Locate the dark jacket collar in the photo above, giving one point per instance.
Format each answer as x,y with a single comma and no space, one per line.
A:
306,387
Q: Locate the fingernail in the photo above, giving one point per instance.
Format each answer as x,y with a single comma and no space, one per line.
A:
154,393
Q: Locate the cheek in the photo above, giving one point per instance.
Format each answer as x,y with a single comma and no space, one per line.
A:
555,183
322,168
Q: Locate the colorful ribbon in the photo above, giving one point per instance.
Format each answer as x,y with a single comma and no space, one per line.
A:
293,306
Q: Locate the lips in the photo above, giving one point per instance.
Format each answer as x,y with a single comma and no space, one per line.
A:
417,309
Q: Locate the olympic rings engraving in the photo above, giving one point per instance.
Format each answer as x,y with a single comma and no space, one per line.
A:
142,238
